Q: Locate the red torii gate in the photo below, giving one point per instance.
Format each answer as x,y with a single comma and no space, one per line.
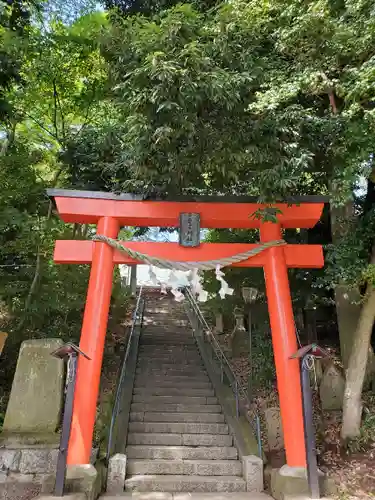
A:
110,212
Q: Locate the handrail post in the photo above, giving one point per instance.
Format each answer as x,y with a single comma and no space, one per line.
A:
70,353
237,401
259,436
312,466
115,412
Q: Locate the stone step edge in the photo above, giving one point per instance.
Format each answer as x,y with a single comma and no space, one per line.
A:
222,468
193,426
171,477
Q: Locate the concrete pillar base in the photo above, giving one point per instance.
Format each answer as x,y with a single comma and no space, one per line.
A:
289,482
116,474
84,479
252,467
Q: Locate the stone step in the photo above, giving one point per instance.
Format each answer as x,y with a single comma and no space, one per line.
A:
179,439
181,452
194,400
170,355
157,495
168,349
163,341
165,325
163,333
190,354
165,383
185,483
170,359
168,332
140,416
144,379
174,408
177,347
154,352
168,311
173,391
196,367
185,467
168,362
180,326
180,371
178,428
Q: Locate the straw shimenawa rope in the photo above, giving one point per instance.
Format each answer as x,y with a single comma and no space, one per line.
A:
189,265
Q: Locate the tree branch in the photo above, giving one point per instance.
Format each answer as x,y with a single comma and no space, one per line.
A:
60,110
332,102
54,120
42,126
85,120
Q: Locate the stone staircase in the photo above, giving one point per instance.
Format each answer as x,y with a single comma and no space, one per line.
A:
178,440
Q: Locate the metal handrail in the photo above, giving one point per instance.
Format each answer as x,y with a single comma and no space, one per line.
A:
217,346
137,314
236,386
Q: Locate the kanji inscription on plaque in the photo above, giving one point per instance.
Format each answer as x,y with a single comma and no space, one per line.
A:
189,229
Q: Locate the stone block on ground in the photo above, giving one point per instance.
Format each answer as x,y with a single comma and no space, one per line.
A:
332,389
14,486
239,343
288,482
219,323
83,479
116,473
275,434
9,460
37,392
38,461
252,467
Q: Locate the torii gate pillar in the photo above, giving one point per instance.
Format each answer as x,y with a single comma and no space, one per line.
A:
110,212
92,342
284,346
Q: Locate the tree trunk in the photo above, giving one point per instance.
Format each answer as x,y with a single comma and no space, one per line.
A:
357,370
348,312
358,365
32,290
348,307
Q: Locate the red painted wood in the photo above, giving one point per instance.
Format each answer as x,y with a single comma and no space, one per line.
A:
93,334
80,252
284,341
110,214
166,213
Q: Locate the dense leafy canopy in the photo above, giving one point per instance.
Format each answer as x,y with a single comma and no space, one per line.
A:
231,101
247,97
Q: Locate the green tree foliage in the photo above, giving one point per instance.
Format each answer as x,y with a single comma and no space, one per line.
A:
256,97
230,101
150,7
52,98
14,28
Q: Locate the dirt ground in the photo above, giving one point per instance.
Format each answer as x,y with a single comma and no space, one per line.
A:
353,471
